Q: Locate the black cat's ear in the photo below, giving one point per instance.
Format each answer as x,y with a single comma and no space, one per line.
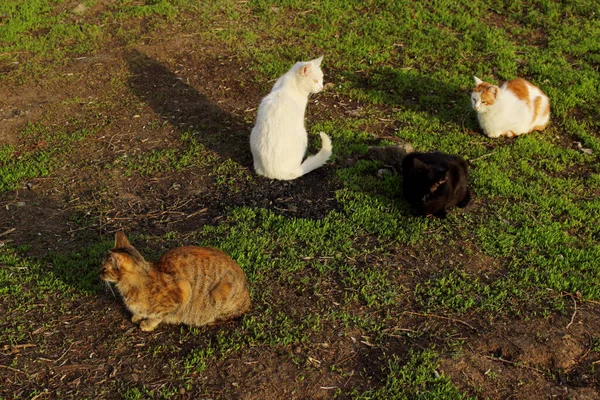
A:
121,240
419,164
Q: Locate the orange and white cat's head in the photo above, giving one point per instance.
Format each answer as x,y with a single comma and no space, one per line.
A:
484,95
309,75
121,261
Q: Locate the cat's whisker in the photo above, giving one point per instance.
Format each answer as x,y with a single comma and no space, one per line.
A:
109,286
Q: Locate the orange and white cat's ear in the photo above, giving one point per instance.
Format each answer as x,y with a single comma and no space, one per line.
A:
317,61
477,81
121,240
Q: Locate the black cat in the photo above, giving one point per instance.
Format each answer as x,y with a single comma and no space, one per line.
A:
434,182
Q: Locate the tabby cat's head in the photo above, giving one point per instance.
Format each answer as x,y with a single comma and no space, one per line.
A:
309,75
123,260
484,95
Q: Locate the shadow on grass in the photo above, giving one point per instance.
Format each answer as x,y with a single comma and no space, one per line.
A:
407,89
184,106
310,196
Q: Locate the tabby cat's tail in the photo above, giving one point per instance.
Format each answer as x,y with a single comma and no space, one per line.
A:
313,162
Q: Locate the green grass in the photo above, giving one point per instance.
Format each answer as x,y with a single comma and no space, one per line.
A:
410,66
20,164
413,379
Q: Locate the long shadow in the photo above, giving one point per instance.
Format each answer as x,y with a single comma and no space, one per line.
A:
181,104
184,106
410,90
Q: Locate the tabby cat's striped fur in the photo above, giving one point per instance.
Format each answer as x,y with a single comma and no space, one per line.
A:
187,285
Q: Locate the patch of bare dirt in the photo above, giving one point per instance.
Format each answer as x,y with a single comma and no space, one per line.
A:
19,106
532,359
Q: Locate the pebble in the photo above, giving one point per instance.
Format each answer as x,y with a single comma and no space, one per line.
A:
383,172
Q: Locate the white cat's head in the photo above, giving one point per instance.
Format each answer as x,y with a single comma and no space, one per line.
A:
309,75
483,96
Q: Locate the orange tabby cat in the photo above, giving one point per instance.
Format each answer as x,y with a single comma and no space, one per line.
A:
187,285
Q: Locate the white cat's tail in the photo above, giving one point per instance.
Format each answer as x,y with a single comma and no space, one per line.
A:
313,162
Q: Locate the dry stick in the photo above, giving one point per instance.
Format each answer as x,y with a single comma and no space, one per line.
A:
441,317
516,364
572,316
14,369
18,346
587,351
8,231
483,156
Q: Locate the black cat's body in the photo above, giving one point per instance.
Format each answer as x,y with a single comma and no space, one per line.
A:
434,182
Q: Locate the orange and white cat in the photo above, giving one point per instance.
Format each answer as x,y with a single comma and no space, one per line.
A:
187,285
512,109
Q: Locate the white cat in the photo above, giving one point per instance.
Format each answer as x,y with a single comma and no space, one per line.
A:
514,108
278,140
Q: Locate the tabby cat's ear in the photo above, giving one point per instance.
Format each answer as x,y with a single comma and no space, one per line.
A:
122,261
477,81
121,240
317,61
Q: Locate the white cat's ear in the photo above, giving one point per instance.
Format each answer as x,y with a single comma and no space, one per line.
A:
477,81
305,69
121,240
317,61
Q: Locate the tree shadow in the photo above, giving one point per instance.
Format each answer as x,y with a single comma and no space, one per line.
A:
407,89
188,109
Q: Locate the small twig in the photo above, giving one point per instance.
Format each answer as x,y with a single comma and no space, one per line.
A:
82,228
202,211
441,317
37,396
59,358
397,329
572,316
11,230
18,346
483,156
587,350
14,369
516,364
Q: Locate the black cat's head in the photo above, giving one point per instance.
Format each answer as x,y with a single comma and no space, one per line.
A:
431,176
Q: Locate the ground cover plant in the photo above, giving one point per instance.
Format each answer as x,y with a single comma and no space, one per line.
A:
136,114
